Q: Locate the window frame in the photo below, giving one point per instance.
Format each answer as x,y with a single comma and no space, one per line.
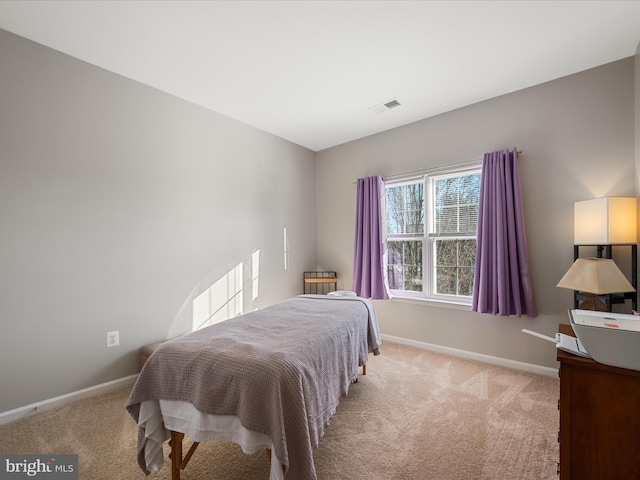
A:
428,236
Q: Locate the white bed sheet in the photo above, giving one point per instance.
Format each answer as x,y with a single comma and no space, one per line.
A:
160,417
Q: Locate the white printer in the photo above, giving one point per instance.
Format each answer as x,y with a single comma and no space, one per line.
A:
609,338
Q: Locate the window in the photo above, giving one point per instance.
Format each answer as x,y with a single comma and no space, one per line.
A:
431,235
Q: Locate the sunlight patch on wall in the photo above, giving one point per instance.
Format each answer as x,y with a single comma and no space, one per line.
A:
255,274
219,302
285,249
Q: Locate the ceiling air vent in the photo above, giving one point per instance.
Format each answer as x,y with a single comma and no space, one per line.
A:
383,107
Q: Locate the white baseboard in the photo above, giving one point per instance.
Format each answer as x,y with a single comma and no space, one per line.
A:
21,412
502,362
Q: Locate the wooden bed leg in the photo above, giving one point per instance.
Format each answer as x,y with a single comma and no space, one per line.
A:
364,369
269,454
176,454
177,462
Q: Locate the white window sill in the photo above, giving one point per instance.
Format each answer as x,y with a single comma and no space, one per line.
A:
432,302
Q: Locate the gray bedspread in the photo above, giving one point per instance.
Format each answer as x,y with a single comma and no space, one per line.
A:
281,370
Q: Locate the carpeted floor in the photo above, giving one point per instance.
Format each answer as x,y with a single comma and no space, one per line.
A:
416,415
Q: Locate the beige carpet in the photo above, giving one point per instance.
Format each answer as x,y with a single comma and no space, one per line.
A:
416,415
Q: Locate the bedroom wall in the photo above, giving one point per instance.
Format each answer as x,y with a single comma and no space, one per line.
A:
577,134
120,204
637,128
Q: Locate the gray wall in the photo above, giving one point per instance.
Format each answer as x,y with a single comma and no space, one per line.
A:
637,126
118,205
577,134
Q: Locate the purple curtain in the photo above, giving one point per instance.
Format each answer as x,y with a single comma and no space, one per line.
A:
370,242
502,285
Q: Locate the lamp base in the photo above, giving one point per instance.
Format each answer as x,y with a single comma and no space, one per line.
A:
592,302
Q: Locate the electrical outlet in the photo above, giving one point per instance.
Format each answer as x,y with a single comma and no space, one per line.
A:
113,339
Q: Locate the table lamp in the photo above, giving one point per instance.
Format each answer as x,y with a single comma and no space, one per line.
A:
595,276
605,221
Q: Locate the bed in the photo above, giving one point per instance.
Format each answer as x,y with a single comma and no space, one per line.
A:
270,379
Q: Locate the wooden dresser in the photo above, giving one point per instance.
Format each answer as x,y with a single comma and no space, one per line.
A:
599,419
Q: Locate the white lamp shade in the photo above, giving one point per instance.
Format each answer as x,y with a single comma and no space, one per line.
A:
605,221
595,275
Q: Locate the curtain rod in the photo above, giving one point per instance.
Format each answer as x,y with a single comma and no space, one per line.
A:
435,169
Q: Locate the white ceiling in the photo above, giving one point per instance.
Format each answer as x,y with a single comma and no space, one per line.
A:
309,71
